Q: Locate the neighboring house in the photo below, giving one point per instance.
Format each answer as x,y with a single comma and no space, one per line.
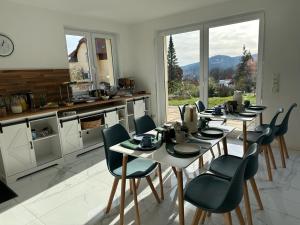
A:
79,62
226,83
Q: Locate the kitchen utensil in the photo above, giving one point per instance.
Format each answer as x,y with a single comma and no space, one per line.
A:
247,114
256,107
212,132
187,148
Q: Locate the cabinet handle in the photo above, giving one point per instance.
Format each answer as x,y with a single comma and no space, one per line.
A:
31,144
80,135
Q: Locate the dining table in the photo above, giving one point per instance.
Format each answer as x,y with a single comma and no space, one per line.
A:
246,120
162,156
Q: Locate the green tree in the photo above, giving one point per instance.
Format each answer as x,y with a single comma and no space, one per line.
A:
242,78
174,71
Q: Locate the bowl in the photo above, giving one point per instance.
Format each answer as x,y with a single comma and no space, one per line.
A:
104,97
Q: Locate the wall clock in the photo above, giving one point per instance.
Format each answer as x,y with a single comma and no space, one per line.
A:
6,46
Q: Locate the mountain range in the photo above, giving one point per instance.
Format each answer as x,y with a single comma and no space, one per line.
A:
191,71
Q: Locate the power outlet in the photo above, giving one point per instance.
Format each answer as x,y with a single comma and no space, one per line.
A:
276,82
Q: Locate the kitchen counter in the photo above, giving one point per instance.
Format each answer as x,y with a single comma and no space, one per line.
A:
12,116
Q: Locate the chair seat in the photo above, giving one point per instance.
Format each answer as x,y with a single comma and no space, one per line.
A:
207,192
136,168
225,165
262,127
252,136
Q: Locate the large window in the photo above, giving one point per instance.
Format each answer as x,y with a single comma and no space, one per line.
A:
183,76
210,61
91,57
232,64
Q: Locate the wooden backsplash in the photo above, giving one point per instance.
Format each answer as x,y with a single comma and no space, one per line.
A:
39,81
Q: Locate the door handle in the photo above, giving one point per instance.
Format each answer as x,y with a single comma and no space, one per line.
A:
31,145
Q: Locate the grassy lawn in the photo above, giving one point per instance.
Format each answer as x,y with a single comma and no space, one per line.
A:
211,101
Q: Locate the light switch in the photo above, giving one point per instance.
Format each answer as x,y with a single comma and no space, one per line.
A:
276,82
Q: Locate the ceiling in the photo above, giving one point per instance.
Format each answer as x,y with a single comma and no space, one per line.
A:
125,11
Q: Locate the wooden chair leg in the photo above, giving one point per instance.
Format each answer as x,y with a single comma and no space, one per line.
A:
130,187
201,163
281,150
148,178
174,170
112,194
212,153
272,156
247,205
138,183
219,148
265,150
137,212
227,218
240,216
203,217
256,193
285,148
161,183
196,217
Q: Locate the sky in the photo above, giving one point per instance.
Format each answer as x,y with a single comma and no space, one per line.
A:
223,40
72,42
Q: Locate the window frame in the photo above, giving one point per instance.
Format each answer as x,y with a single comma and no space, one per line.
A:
204,56
91,49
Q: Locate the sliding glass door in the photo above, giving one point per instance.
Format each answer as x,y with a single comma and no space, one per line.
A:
210,62
183,70
232,64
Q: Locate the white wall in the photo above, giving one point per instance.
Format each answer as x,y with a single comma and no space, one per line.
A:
38,35
281,50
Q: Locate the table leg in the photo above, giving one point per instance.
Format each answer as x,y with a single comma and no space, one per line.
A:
244,136
260,119
123,187
224,141
180,197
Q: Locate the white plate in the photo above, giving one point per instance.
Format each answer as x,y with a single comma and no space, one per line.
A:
187,148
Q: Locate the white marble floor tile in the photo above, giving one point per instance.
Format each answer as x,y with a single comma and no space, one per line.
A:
77,194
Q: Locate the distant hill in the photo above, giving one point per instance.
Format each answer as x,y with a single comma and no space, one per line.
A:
191,71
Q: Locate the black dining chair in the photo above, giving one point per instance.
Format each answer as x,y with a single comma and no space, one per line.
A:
182,111
226,165
201,108
136,168
253,136
143,125
280,131
215,194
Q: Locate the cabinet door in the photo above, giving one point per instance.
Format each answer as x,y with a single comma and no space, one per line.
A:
71,137
111,118
17,149
139,108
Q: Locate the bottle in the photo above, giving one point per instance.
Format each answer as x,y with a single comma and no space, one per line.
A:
30,100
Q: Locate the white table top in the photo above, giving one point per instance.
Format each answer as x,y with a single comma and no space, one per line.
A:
162,156
232,116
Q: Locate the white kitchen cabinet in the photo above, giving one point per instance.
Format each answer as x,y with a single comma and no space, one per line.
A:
71,136
17,149
111,118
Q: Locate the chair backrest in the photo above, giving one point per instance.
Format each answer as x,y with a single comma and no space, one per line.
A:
112,136
144,124
283,127
234,193
252,165
182,111
200,106
272,125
